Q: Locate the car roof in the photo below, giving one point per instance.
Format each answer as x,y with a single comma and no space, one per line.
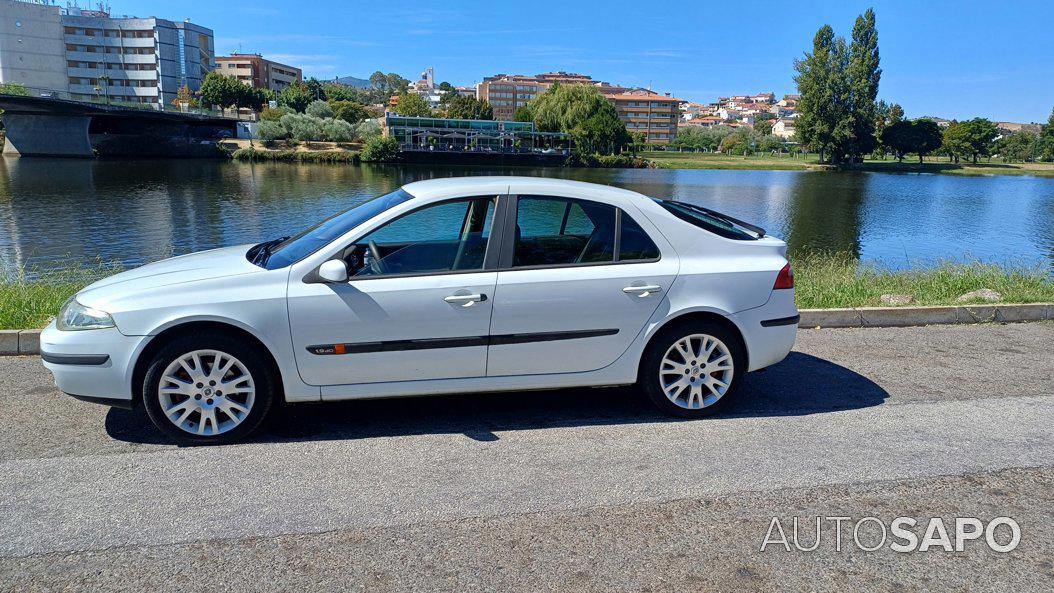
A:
499,184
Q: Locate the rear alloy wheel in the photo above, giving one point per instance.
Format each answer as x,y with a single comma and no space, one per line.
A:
207,390
691,371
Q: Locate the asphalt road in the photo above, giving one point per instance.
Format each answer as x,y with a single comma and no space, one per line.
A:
555,491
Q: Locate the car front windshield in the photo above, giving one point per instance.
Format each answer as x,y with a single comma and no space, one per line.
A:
304,244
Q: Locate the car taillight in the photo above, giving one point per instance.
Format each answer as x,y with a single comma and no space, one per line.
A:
785,278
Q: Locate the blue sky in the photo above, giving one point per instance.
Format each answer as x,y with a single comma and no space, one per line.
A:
953,59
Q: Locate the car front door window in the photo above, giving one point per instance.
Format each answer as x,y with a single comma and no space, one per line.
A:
445,237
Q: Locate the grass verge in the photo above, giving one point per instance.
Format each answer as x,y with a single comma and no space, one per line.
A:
826,281
822,281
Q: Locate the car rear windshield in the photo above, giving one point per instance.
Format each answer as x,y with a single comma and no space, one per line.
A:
307,242
715,222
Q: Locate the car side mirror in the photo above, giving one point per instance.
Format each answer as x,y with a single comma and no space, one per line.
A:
334,270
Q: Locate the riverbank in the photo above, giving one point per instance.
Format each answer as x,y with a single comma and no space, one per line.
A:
937,165
822,282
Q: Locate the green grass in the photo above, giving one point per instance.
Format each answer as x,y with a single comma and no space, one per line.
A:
27,303
701,160
296,156
825,281
822,281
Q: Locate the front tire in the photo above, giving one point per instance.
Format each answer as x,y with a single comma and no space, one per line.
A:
208,389
692,369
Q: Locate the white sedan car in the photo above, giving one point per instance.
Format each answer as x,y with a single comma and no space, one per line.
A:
475,284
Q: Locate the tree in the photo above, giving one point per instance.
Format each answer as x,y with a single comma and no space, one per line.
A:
970,139
296,96
337,130
276,114
380,149
1046,140
319,109
1019,146
316,89
14,88
763,126
349,111
461,107
921,136
184,96
224,91
412,105
446,86
523,113
581,111
824,122
864,75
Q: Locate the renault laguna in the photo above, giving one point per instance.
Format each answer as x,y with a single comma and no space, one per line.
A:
480,284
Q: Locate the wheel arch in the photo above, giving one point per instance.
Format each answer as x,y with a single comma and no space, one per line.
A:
186,327
696,315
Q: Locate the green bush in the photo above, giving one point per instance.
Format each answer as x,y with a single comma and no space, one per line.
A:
319,109
614,161
302,127
380,149
270,130
275,114
337,130
368,129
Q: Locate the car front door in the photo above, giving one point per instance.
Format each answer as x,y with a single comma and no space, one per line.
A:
577,284
417,304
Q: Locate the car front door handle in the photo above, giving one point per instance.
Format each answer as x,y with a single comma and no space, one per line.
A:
465,300
642,291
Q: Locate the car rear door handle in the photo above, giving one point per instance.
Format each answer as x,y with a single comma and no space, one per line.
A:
465,300
642,291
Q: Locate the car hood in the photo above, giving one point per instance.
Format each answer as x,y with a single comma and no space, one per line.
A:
193,267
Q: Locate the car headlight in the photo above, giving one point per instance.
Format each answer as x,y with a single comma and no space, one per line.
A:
74,316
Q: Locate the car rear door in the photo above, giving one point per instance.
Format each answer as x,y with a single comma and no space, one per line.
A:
577,284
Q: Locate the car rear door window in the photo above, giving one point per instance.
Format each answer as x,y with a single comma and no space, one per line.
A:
561,231
634,243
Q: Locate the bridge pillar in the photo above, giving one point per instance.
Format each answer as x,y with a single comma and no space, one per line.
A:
47,135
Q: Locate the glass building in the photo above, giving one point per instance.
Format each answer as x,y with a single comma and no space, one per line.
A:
429,134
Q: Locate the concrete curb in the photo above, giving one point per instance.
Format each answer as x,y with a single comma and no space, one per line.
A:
939,315
19,341
14,342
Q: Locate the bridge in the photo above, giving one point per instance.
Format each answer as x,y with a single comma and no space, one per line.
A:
47,124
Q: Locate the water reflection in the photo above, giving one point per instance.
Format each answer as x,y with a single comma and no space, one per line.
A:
69,210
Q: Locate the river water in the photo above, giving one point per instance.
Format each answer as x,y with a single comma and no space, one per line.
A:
61,212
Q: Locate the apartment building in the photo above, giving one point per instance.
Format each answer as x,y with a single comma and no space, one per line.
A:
642,110
257,71
655,115
94,56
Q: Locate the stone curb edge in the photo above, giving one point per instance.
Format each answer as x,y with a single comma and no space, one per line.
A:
15,342
936,315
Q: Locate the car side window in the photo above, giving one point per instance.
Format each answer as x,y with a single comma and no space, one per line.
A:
560,231
445,237
634,243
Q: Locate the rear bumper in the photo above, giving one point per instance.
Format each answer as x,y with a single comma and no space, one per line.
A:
769,330
94,365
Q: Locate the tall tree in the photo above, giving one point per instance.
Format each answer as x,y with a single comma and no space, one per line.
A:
970,139
1019,146
296,96
461,107
411,104
1046,140
580,110
864,76
823,121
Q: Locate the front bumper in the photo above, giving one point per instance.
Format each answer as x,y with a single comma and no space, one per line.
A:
93,364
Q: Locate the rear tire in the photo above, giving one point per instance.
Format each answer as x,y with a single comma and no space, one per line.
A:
692,369
209,389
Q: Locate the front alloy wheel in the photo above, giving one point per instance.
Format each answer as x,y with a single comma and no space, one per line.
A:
206,392
208,388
